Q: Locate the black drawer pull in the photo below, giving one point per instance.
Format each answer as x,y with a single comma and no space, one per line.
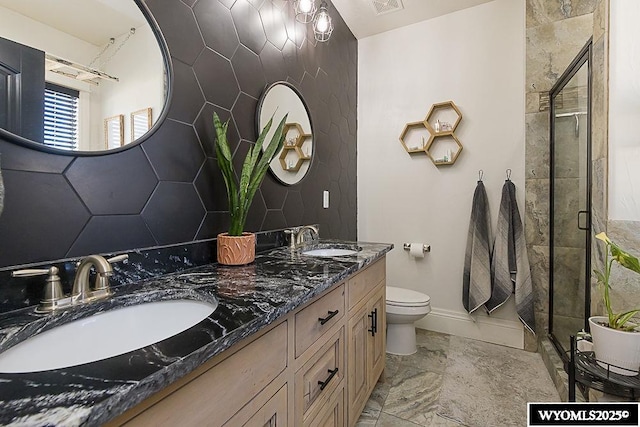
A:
374,322
324,320
324,383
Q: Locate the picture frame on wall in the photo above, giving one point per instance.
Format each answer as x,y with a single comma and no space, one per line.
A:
140,123
114,131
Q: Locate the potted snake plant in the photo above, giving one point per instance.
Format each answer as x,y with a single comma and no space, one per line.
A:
237,247
616,336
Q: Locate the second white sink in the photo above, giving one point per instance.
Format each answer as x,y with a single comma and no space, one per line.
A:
329,252
104,335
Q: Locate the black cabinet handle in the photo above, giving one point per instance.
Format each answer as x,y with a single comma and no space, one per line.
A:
586,227
332,373
330,314
374,322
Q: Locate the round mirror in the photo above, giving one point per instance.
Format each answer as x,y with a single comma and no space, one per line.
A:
292,163
79,76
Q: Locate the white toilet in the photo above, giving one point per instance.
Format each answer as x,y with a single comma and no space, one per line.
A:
404,307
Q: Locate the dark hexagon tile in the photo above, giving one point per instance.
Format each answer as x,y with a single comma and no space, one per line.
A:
293,208
273,64
309,90
211,188
274,25
207,133
274,220
228,3
257,3
245,63
345,137
189,2
176,154
324,85
174,213
321,118
308,53
42,217
16,157
187,97
105,183
334,109
273,192
217,26
214,223
216,78
244,112
256,214
292,61
322,147
249,25
296,31
112,233
178,25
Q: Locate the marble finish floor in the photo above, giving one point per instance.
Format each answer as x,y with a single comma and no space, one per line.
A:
453,381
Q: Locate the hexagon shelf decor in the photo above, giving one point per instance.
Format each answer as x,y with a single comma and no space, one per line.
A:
443,147
293,153
410,137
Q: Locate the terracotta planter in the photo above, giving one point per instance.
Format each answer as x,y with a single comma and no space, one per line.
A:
236,250
615,347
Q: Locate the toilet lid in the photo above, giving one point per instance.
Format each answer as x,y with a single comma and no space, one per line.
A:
406,297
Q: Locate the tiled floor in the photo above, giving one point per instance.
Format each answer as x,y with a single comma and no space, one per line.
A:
453,381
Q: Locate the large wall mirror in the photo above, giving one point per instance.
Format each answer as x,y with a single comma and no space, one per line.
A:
66,66
292,163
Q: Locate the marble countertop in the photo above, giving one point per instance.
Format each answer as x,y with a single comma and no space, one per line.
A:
249,298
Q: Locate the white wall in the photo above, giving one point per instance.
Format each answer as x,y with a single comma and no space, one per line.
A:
474,57
624,110
140,68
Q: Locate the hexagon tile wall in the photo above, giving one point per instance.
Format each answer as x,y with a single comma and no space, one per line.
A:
168,189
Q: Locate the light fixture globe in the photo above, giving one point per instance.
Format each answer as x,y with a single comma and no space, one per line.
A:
305,10
322,25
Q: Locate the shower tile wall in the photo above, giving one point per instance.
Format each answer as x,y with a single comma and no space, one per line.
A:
169,189
556,31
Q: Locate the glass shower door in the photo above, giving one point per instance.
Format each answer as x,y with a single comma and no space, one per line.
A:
570,221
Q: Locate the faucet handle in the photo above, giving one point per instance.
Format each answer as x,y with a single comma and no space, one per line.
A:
53,288
118,258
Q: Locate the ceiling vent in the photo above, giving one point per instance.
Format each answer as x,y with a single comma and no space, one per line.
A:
380,7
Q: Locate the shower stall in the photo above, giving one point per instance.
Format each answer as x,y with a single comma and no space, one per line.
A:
570,202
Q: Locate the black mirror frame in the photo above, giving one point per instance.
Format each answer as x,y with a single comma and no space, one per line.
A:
162,44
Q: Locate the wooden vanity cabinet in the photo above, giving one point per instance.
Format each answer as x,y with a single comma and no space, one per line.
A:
366,337
316,367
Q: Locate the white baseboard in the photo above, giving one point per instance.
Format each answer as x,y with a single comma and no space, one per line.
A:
489,329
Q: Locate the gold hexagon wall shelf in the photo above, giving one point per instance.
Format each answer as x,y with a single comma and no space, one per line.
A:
435,140
410,128
293,145
438,109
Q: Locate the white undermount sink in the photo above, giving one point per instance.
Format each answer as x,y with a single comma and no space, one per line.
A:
329,252
104,335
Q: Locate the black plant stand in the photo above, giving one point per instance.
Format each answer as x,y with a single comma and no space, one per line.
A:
585,370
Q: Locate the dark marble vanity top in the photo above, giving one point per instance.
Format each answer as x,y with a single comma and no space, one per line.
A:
249,298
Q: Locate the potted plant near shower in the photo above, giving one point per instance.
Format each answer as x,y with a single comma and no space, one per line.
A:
616,337
237,247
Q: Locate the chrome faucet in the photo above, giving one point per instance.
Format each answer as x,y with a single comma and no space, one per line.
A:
81,289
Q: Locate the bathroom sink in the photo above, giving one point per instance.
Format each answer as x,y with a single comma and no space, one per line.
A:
330,252
104,335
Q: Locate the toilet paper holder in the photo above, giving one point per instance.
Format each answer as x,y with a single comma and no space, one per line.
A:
425,248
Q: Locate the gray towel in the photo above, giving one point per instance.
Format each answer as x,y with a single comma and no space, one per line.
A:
476,280
510,264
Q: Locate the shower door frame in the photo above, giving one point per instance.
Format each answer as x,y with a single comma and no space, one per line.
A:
584,56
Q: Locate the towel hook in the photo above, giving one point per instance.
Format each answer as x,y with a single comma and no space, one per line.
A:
508,174
480,175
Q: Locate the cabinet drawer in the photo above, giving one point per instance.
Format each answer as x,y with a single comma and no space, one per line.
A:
313,321
332,414
272,414
319,377
363,282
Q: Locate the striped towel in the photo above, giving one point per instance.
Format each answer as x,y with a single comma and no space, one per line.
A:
476,280
510,264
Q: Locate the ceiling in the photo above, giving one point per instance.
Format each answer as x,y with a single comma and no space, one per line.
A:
361,17
94,21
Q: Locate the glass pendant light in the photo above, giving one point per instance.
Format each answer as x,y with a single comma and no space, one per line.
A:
305,10
322,25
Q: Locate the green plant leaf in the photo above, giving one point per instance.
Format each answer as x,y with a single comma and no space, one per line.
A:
223,157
